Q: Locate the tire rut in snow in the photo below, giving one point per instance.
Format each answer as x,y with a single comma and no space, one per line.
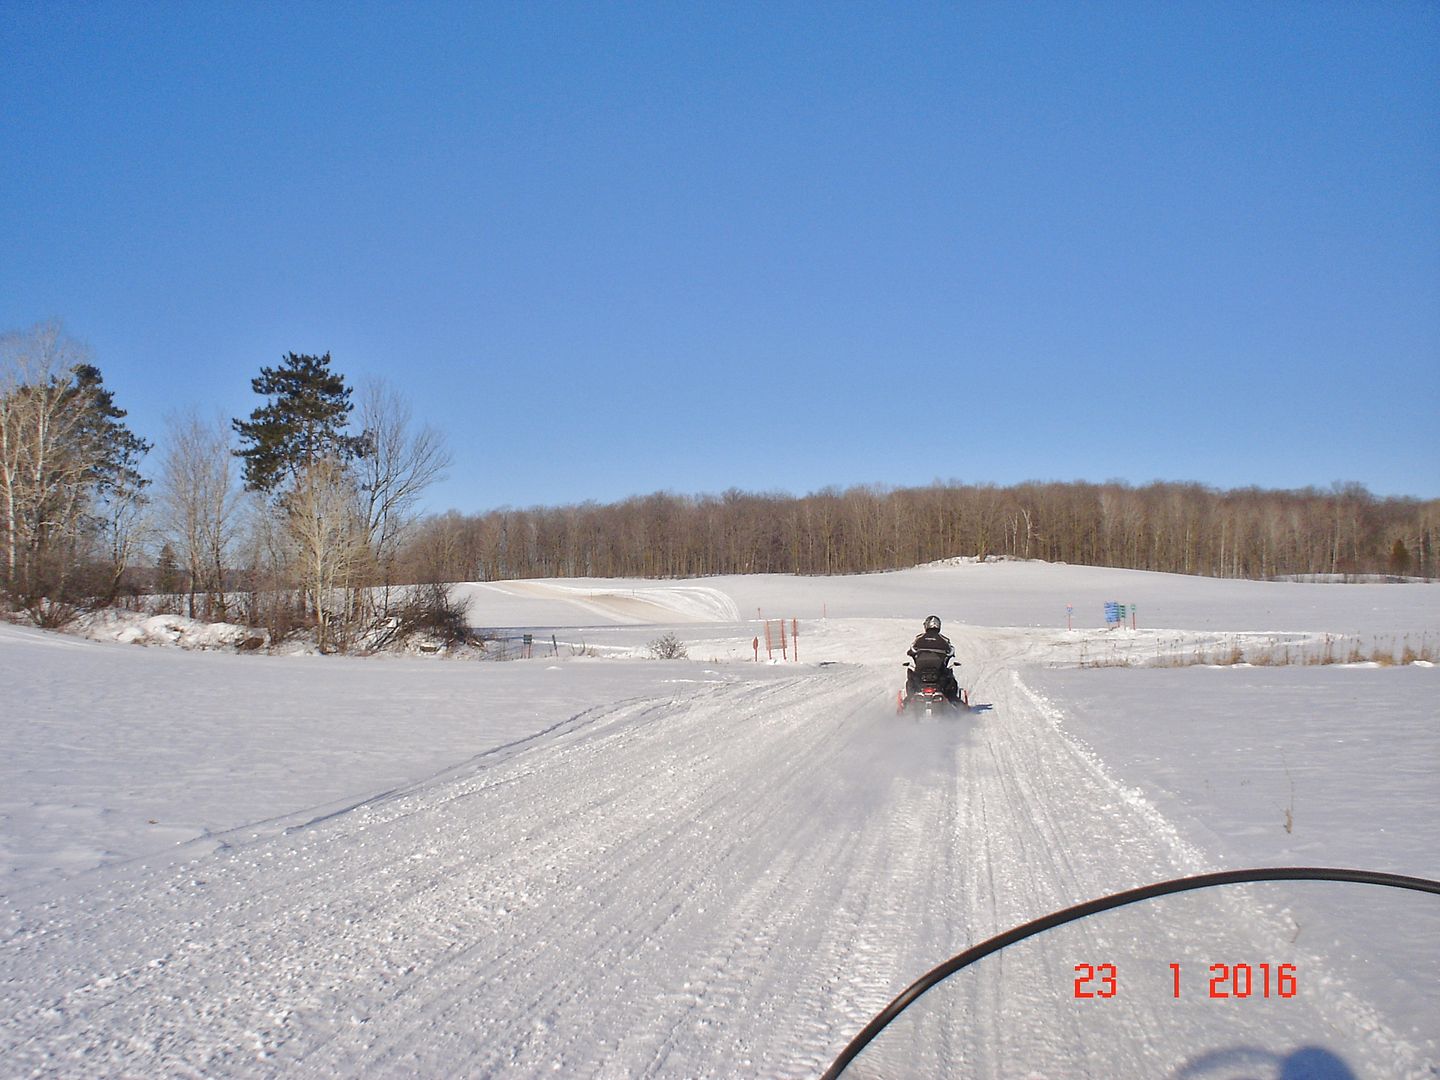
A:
533,914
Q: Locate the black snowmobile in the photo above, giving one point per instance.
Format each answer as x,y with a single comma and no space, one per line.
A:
931,686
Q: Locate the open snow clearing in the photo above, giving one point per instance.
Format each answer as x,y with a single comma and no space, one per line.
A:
545,602
726,873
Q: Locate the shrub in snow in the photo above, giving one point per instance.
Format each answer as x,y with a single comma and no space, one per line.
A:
429,616
668,647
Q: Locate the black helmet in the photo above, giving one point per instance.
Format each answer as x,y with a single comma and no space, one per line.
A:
932,624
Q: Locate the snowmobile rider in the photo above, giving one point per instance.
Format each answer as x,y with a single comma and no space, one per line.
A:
932,651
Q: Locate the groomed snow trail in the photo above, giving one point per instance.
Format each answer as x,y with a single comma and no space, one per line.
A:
726,882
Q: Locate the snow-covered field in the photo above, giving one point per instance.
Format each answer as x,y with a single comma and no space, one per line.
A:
589,863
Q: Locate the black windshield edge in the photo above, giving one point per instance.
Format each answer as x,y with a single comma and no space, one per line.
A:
1106,903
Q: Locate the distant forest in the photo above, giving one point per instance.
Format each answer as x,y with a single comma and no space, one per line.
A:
1177,528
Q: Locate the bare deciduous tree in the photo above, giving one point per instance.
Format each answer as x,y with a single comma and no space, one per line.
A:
123,523
324,519
399,462
199,500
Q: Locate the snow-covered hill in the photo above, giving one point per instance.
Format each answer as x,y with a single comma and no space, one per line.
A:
305,866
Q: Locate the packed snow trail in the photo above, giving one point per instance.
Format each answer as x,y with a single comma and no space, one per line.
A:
728,881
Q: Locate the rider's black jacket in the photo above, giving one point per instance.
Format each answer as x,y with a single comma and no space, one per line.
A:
933,641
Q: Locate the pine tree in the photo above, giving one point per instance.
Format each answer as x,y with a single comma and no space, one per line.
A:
303,422
1399,558
116,450
167,570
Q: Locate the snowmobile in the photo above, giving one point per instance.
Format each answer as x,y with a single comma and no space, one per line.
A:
931,1041
931,672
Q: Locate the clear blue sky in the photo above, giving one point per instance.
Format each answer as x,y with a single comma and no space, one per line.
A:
616,248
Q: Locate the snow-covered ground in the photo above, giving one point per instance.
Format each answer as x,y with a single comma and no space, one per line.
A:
593,864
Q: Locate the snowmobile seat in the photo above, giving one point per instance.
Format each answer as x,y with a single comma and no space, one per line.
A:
929,668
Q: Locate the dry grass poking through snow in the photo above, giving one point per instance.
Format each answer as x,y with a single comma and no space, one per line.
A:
1333,649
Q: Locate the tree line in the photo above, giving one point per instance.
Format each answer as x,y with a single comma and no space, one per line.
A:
1177,528
307,512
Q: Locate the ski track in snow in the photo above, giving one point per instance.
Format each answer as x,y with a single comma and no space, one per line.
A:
728,881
